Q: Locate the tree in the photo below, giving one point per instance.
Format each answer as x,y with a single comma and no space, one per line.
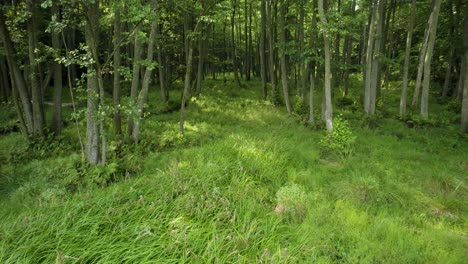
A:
327,90
432,29
409,38
464,112
284,71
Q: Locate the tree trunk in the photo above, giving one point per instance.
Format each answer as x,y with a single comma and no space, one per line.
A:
36,93
234,50
135,76
327,91
271,51
284,71
93,132
375,72
201,56
262,49
117,64
370,58
143,96
312,70
464,112
409,38
427,60
56,125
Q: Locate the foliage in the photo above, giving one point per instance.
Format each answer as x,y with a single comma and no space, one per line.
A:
340,141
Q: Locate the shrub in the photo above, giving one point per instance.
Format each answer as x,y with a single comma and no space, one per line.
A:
340,141
291,202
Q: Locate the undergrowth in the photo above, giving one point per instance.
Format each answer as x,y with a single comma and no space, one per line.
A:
245,184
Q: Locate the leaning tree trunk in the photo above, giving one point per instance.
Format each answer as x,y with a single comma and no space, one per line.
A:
427,61
409,38
327,91
142,97
284,71
135,77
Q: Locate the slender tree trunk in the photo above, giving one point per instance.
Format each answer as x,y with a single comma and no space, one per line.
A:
375,72
135,76
337,70
304,64
370,58
464,112
36,93
271,51
56,125
161,66
428,59
143,95
312,70
327,91
93,132
262,49
117,64
409,38
284,71
201,58
234,50
419,75
347,50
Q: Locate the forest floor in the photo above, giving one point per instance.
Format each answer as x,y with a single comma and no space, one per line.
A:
246,184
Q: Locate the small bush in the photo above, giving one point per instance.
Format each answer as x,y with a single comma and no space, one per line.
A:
340,141
171,138
291,202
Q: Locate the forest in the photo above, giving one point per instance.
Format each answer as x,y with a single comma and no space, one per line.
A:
233,131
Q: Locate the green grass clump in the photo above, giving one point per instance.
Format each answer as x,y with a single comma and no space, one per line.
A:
245,184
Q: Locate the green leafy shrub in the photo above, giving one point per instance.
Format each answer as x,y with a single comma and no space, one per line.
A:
171,138
340,141
291,202
299,107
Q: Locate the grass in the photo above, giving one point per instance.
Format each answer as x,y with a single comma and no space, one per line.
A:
211,196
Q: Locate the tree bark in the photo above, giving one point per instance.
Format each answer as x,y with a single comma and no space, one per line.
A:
375,72
327,91
409,38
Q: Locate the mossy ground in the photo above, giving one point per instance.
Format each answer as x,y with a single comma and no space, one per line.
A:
210,196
